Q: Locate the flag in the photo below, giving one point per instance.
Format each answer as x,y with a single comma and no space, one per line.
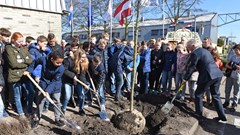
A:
145,3
108,14
180,22
154,3
172,25
149,3
188,25
123,10
90,18
70,16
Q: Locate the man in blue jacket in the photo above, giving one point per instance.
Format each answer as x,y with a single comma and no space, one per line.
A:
209,76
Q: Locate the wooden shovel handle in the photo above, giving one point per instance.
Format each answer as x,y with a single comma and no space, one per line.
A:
39,88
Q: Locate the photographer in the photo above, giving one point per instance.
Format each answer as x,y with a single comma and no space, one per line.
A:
233,79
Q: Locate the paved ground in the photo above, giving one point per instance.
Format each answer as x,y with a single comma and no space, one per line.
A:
232,127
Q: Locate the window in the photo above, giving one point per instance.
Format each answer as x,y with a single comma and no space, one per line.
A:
154,32
116,34
131,34
83,36
161,32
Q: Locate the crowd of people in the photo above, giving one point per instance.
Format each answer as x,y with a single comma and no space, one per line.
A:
108,68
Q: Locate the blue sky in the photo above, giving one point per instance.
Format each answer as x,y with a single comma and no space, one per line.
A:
222,7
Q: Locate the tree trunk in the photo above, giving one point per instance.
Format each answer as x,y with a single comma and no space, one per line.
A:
126,29
105,27
135,54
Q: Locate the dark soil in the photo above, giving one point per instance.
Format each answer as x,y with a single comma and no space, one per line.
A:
148,105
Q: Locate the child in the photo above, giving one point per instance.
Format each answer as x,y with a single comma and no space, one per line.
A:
50,81
18,59
76,66
144,67
169,63
4,39
181,63
97,72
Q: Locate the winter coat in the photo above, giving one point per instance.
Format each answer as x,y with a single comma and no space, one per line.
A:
51,76
156,55
37,53
169,60
98,75
18,60
145,61
122,56
104,55
56,47
70,73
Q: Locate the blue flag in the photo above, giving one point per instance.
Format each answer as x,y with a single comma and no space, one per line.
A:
70,16
90,18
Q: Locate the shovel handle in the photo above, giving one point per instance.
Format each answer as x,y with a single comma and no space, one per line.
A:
84,85
179,89
40,89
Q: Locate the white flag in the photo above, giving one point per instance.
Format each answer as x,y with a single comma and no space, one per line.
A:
145,3
108,14
150,3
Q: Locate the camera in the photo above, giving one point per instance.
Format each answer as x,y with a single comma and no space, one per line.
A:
233,65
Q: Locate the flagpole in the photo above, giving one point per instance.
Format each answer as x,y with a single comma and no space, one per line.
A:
111,23
72,25
163,16
133,21
90,20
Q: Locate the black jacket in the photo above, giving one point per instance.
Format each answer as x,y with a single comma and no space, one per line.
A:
98,75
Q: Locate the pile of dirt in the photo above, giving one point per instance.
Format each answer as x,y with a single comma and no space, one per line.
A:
149,105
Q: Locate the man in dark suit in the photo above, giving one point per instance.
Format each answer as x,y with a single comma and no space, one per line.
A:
209,76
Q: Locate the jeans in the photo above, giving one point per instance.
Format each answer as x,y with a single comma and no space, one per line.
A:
112,83
26,88
119,84
228,87
40,104
1,107
101,95
81,96
167,78
68,94
129,80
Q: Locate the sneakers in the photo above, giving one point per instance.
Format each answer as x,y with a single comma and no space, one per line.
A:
35,121
60,123
221,120
82,113
103,108
225,104
234,105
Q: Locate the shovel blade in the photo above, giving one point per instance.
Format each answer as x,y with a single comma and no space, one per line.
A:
103,115
167,107
72,124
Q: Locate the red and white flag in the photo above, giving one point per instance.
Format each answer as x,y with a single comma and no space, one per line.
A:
123,10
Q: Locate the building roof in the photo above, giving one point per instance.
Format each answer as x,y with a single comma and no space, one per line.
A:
157,22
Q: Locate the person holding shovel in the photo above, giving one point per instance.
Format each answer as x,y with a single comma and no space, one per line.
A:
51,82
76,66
209,77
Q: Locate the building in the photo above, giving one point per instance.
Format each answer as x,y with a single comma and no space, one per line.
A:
206,26
32,17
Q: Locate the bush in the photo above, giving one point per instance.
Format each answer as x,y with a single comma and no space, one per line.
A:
220,42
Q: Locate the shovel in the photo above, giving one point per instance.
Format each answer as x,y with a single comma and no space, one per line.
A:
102,114
69,122
169,105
